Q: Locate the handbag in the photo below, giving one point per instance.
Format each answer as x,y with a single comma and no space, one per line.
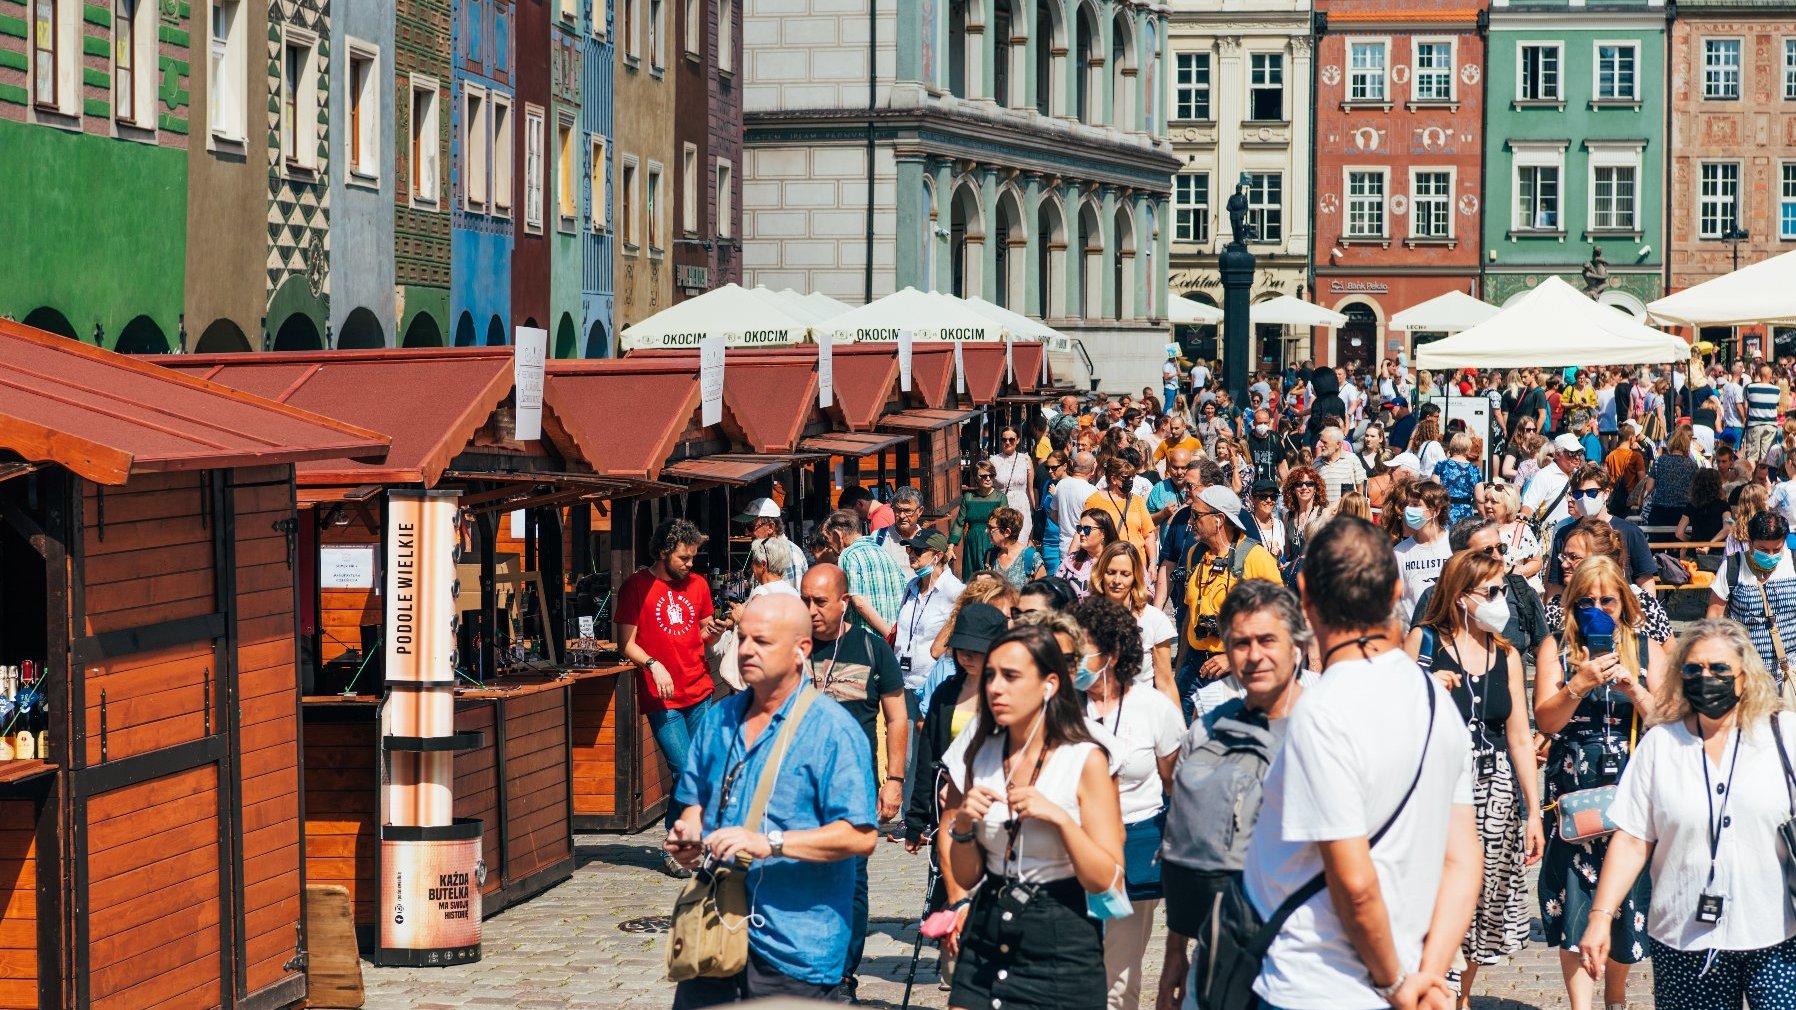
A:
1584,814
1232,948
708,935
1786,832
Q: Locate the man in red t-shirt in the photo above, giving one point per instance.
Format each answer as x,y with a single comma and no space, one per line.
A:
664,621
875,513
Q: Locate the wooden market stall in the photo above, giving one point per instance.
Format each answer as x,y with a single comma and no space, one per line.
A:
147,569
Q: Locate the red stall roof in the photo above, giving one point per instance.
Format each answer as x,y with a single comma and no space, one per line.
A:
932,373
1027,359
851,443
771,399
626,416
430,401
108,416
866,379
985,371
928,419
734,468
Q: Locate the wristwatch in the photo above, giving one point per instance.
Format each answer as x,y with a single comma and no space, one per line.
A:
1386,992
776,842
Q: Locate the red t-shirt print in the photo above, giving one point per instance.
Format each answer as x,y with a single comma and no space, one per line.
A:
667,620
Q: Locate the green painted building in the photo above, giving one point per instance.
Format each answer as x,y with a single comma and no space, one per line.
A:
94,107
1575,147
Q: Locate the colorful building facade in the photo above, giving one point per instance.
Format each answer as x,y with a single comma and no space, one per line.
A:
565,157
227,181
482,172
530,151
299,172
708,142
643,158
362,304
423,73
1399,152
598,269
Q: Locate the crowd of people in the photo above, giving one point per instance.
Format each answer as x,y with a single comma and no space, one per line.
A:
1340,667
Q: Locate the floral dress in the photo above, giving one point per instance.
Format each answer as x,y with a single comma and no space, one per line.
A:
1461,481
1604,723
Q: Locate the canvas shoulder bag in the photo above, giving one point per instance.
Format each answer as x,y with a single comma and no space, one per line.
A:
708,937
1786,832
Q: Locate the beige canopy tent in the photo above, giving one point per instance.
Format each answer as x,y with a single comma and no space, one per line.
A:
1554,325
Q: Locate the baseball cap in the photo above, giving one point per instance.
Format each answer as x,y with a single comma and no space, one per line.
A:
760,508
977,626
1405,461
1263,485
1568,442
1224,501
1630,422
1392,403
928,540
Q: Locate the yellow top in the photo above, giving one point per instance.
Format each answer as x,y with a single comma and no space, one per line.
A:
959,720
1205,592
1137,526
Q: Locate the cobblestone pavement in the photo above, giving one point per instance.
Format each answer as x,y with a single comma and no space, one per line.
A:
572,946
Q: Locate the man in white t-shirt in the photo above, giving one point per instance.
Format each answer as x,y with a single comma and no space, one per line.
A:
1200,377
1422,554
1070,495
1384,933
1548,490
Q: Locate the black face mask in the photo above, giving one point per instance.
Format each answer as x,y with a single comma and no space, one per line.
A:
1713,697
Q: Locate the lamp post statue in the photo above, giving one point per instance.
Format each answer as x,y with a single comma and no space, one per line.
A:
1237,283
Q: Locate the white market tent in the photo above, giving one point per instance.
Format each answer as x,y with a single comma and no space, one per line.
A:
1286,310
799,306
1184,311
1452,312
1764,292
822,304
1554,325
1021,327
744,317
928,315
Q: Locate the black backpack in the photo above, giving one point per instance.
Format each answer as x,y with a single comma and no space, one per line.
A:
1211,813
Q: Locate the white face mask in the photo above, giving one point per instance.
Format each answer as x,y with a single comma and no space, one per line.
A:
1492,615
1589,506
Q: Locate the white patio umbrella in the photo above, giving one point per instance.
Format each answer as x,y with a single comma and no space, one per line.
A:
1448,313
1554,325
1021,327
744,317
928,315
1763,292
1286,310
1191,312
825,306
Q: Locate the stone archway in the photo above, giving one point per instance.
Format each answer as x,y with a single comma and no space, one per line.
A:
298,333
222,337
50,321
423,332
141,336
361,330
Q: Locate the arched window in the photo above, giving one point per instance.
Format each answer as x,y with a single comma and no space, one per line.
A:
495,332
1001,52
1122,73
1088,300
567,338
361,330
1088,63
1050,257
141,336
598,342
1122,266
966,238
222,337
50,321
957,48
464,331
1008,243
298,333
424,331
1049,69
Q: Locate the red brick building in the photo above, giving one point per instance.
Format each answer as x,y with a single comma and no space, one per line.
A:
1398,155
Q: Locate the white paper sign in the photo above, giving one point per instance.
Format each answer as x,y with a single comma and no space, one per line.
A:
518,523
960,369
1475,412
1044,363
906,340
346,567
587,626
710,380
529,353
826,372
1009,359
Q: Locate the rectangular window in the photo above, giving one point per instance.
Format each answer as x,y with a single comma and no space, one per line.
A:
566,203
600,12
630,200
426,141
631,28
1721,69
1431,205
1718,199
694,29
1616,72
124,61
1786,204
1266,206
225,62
653,201
533,169
46,52
1365,205
689,189
1789,69
595,184
1191,207
502,156
476,149
726,35
1191,92
1612,197
1537,198
363,129
299,101
1266,87
1434,72
1365,71
726,198
568,11
657,26
1539,80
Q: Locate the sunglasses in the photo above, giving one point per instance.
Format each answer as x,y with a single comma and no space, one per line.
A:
1304,484
1698,669
1585,494
1266,496
1599,601
1007,439
1486,592
1085,531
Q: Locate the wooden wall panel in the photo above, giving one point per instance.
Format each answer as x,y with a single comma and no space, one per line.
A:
536,769
477,785
594,732
152,699
18,905
154,858
149,552
342,840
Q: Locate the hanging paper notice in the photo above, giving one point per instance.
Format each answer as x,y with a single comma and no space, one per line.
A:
960,369
906,339
1009,359
826,371
529,353
710,380
350,567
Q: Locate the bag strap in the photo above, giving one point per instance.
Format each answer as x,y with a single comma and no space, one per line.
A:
1238,557
1777,638
1542,518
1425,655
1262,941
757,808
1784,755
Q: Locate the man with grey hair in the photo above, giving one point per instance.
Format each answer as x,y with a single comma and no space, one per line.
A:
1339,466
907,522
767,558
764,520
1070,495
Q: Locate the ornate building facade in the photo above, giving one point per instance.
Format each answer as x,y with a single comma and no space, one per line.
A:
483,124
299,171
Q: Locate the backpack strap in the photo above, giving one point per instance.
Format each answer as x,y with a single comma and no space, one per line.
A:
1734,561
1425,657
1238,557
757,808
1262,941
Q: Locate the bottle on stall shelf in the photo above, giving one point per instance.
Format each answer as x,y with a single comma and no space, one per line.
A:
24,743
40,707
9,691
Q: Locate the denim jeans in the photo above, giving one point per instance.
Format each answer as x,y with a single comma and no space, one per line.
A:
673,729
857,926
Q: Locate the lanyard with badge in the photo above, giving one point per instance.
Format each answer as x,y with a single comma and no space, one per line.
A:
916,622
1483,748
1708,903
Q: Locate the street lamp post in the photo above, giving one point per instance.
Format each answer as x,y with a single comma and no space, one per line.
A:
1237,267
1734,235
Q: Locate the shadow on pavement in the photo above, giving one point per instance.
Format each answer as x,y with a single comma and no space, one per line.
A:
630,854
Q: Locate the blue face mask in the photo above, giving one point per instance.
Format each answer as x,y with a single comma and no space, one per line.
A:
1085,676
925,571
1415,516
1766,560
1111,903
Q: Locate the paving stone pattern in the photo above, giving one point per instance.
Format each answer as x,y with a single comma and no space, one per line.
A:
565,948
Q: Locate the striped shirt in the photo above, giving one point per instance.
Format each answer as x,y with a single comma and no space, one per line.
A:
1761,403
872,573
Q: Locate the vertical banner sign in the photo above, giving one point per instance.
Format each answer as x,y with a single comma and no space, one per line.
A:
826,370
710,380
1009,358
960,369
529,354
1044,362
906,340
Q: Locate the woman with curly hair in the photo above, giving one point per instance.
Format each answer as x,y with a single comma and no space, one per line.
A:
1142,729
1306,509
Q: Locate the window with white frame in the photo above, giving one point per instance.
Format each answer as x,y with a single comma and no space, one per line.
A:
1366,71
567,204
226,60
299,100
657,28
1786,202
1614,188
654,200
1365,205
56,55
1789,69
726,197
1191,88
476,148
629,27
568,10
134,62
502,155
1431,205
629,199
1191,207
595,182
361,133
1617,71
1265,193
1720,69
1539,189
1718,198
426,142
1266,87
726,35
689,189
1433,71
694,31
1539,77
598,12
533,169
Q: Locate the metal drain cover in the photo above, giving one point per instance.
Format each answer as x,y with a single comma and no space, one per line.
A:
645,924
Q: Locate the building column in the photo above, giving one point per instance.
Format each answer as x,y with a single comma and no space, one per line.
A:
938,229
913,225
1024,86
987,286
1032,245
1103,96
1230,98
1297,200
1105,266
979,49
1074,259
1163,264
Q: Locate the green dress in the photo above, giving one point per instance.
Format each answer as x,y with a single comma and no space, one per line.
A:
968,530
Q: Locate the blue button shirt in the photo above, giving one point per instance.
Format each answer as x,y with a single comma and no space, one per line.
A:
805,906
